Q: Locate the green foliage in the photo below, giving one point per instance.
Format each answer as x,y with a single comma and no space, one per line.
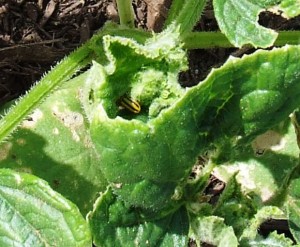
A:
31,212
273,239
212,230
250,236
114,224
290,8
293,208
83,141
275,148
238,20
54,144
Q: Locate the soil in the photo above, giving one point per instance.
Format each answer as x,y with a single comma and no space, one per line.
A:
36,34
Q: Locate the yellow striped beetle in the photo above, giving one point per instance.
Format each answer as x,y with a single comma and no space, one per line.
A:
129,104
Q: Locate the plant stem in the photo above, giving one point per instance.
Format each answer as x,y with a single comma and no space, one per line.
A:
288,37
206,40
62,72
185,14
126,13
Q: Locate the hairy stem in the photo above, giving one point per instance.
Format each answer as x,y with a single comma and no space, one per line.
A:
126,13
185,13
62,72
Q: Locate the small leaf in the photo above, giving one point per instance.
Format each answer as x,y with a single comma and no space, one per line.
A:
268,212
290,8
212,230
113,224
238,20
273,239
234,207
32,214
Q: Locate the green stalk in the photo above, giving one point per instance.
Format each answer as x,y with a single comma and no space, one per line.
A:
174,11
126,13
288,37
62,72
185,13
206,40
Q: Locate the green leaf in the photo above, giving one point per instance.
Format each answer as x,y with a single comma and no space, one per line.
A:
114,224
250,236
268,77
147,73
273,239
212,230
32,214
235,207
53,143
265,166
238,20
293,208
290,8
250,233
219,106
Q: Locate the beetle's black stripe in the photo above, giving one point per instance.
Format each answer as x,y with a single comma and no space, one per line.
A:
130,104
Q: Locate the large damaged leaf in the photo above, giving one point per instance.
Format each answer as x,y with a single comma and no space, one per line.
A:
147,155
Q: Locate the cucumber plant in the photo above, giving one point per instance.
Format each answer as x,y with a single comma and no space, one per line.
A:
116,137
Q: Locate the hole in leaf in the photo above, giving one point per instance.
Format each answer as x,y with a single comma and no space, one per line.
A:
281,226
273,21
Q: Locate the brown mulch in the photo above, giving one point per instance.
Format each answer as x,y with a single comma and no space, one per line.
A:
36,34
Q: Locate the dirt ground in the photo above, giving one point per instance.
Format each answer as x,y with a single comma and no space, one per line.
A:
35,34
